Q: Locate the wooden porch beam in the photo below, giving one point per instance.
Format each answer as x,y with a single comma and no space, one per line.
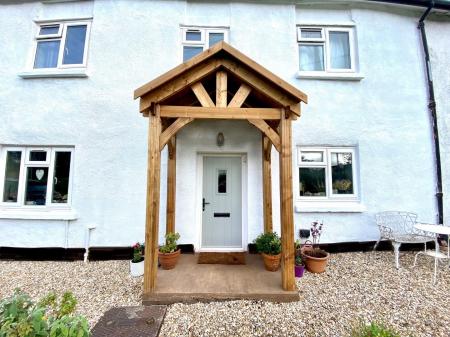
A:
221,89
267,183
286,205
152,203
171,184
172,87
240,96
172,130
174,111
202,95
268,131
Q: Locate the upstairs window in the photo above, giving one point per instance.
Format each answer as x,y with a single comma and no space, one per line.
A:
196,40
327,173
35,176
326,49
61,45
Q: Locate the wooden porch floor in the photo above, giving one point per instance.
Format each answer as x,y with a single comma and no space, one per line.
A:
191,282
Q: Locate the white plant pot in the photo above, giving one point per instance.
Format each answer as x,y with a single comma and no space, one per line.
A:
137,269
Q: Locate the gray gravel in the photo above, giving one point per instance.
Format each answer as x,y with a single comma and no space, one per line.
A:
356,286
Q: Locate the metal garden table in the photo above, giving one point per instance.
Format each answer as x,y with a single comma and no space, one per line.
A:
436,230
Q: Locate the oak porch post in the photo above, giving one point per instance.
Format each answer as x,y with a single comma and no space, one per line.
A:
152,206
286,203
267,183
171,184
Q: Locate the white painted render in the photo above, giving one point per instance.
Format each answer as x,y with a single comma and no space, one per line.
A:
384,115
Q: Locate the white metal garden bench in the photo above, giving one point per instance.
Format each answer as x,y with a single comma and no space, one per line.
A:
398,227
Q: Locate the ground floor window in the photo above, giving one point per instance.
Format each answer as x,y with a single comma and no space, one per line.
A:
327,173
32,176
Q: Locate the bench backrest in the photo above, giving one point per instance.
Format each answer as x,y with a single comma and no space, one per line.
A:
399,222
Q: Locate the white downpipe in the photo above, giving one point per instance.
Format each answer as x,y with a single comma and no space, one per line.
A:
87,240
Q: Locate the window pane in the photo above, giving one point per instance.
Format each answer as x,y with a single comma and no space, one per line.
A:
193,36
189,52
47,54
74,46
36,185
61,179
12,172
215,37
49,30
342,173
340,50
310,156
312,182
38,156
311,33
311,57
222,181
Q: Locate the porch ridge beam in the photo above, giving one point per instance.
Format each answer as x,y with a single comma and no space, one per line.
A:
172,130
221,89
174,111
202,95
267,130
152,202
240,96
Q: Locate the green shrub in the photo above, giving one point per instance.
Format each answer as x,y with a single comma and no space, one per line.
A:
21,317
268,243
373,330
171,243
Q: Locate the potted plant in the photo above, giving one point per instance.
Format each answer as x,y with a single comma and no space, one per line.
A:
137,262
269,245
315,259
299,265
169,253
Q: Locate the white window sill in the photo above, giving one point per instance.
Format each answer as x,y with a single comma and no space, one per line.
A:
38,214
329,207
330,76
54,73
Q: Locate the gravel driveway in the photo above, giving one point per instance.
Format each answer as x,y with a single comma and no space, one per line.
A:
356,286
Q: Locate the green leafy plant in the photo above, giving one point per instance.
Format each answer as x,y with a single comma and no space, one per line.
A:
138,252
374,329
171,243
268,243
21,317
298,260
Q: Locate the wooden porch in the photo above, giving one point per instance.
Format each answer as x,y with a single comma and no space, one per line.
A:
220,83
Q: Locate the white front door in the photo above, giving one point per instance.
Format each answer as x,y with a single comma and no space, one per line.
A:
222,203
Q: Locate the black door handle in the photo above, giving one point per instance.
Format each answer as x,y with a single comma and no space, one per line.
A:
204,204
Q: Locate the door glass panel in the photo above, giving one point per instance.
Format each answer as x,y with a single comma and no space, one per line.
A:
222,181
311,57
312,182
38,156
310,156
12,172
47,54
340,50
74,46
342,173
189,52
61,178
214,38
36,185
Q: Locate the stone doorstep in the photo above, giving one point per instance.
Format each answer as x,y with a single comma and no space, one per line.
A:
141,321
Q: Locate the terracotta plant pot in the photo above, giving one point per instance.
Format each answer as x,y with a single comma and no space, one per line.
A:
271,262
315,260
169,260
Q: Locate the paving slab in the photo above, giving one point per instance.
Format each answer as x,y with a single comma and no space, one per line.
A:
141,321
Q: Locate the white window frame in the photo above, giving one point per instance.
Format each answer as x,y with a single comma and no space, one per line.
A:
325,42
24,163
62,37
205,31
327,151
